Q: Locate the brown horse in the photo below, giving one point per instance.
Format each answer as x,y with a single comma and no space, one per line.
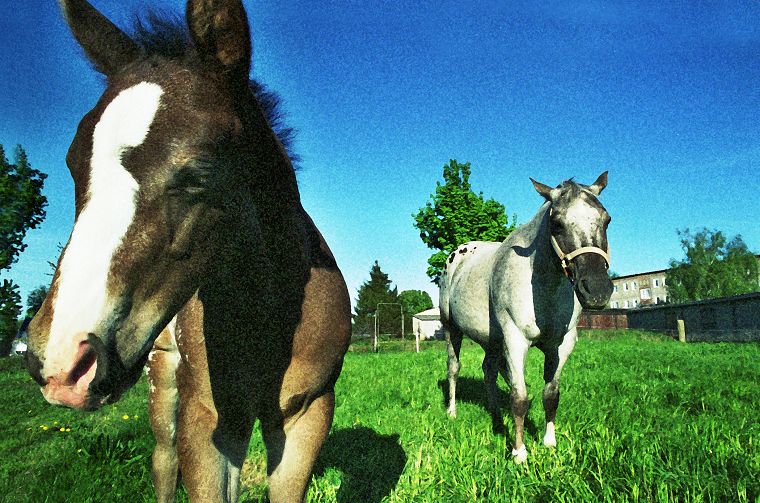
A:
188,217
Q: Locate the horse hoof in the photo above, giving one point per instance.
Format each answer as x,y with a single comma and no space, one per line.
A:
452,413
550,442
520,455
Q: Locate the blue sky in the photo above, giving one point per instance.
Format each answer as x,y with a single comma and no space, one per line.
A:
664,95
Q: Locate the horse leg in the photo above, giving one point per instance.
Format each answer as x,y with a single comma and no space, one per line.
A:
211,448
453,344
554,360
162,409
292,448
490,374
516,350
214,423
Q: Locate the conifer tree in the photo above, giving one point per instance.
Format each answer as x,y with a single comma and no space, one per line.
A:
373,292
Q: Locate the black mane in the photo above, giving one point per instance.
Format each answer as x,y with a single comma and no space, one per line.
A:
167,36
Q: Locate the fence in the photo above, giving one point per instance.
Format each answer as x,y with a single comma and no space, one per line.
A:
728,319
605,318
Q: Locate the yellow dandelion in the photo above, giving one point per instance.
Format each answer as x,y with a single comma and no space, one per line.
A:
62,429
125,417
79,450
68,429
55,422
45,428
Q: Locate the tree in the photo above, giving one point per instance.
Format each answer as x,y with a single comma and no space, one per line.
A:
413,302
373,292
456,215
22,207
713,267
35,299
10,310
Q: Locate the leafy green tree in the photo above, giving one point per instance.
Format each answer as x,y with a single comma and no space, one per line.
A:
10,310
373,292
413,302
22,207
35,299
713,267
456,214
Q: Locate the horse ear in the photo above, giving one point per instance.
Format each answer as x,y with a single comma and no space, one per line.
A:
598,186
220,31
106,46
542,189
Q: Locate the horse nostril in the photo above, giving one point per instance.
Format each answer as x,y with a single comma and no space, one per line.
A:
583,285
34,367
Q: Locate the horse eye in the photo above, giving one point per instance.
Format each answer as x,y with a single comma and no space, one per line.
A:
192,180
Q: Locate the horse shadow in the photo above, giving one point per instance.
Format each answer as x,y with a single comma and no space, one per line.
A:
474,391
371,463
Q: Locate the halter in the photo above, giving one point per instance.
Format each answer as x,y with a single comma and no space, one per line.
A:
565,258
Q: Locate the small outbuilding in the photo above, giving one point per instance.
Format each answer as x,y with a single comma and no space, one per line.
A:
427,324
18,347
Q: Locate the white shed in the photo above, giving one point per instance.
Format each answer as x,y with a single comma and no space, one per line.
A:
428,324
18,348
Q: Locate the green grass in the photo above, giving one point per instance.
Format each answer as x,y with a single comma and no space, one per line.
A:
642,418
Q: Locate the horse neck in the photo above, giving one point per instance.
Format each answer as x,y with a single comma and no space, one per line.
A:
546,263
264,226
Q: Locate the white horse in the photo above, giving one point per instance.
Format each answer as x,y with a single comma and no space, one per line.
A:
527,291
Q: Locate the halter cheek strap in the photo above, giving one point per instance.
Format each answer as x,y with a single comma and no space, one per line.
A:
565,258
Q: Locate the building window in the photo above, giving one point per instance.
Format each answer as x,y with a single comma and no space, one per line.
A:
656,300
616,304
615,289
625,287
634,285
646,294
656,282
626,303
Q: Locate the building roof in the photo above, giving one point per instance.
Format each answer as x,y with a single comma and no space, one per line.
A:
433,314
635,275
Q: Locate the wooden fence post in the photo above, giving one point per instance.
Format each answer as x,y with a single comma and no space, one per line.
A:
681,330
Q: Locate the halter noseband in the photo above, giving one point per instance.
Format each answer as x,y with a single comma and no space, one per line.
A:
565,258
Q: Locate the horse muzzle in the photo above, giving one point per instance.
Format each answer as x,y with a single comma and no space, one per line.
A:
593,292
75,385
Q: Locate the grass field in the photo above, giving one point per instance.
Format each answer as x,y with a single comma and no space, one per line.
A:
642,418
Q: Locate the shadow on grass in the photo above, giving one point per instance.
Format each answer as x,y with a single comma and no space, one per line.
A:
371,463
474,391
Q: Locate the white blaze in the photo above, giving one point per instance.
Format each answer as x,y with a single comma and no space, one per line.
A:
101,226
584,218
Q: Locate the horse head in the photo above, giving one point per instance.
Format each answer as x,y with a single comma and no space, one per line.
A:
161,166
578,234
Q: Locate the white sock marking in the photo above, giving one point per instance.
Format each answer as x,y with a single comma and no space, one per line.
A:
102,224
549,438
